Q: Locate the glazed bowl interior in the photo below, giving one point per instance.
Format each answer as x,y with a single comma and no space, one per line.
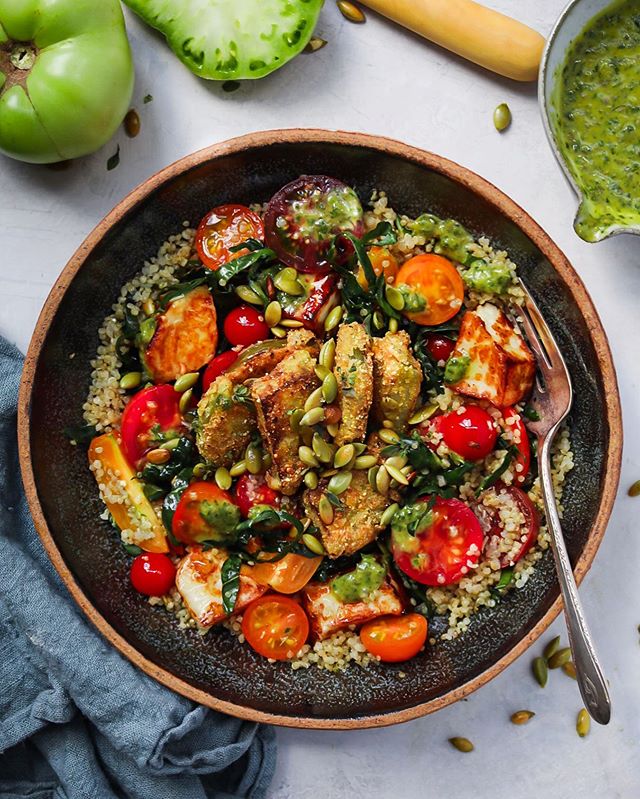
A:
216,669
571,23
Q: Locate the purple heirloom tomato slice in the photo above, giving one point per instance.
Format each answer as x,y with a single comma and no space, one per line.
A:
304,217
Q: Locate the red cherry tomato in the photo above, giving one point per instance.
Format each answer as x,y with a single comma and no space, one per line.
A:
515,423
224,227
439,347
395,638
217,366
275,626
304,217
148,413
252,489
153,574
508,550
245,325
471,434
443,550
205,513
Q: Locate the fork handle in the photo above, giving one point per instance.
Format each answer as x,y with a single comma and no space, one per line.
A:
589,674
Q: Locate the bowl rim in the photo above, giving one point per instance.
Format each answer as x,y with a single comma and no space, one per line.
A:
504,205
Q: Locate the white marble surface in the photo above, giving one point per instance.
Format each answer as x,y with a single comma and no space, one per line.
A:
379,79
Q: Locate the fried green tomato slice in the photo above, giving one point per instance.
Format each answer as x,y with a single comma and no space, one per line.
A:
222,40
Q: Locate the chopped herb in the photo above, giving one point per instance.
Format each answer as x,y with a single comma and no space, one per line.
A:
132,549
230,576
81,434
231,86
147,98
531,413
113,162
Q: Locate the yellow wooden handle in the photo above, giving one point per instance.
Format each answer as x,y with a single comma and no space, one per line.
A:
477,33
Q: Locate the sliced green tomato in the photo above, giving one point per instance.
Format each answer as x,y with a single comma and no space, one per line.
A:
223,40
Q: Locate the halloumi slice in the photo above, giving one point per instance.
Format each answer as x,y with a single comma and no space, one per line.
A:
486,374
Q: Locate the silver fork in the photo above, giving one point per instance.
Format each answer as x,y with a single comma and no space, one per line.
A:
551,399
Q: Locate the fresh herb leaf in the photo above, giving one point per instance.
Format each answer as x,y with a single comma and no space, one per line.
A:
496,474
179,290
507,578
231,86
243,263
131,549
81,434
148,98
230,576
113,162
531,413
153,492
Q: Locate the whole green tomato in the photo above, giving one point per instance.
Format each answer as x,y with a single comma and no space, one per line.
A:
66,77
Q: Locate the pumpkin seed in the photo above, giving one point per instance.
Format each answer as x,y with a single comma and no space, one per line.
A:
307,456
371,476
393,325
132,123
306,434
388,515
321,372
315,43
502,117
325,510
339,483
583,723
130,381
185,382
522,716
383,481
311,480
323,451
275,482
238,468
569,668
399,461
158,456
273,313
365,461
147,330
540,671
288,273
313,543
248,295
359,447
289,286
266,461
634,489
344,455
395,298
332,429
170,445
387,423
314,400
314,416
422,414
328,472
185,401
329,388
253,459
378,320
294,419
291,324
388,436
223,478
551,647
148,307
461,744
559,658
279,332
199,470
396,474
333,320
327,353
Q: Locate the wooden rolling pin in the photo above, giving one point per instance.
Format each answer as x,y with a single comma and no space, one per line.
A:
477,33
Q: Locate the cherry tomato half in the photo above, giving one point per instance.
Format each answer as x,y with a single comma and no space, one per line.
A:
437,282
312,308
205,513
252,489
224,227
245,325
395,638
275,626
153,574
508,551
439,347
149,413
444,550
304,217
287,575
522,462
218,366
383,263
471,434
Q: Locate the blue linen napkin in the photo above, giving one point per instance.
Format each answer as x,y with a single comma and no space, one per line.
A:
77,720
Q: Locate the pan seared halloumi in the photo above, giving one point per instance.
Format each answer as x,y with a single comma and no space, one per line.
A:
328,614
353,368
397,376
276,396
357,524
199,582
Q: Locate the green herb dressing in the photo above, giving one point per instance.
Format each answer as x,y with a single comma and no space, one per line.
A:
358,585
596,119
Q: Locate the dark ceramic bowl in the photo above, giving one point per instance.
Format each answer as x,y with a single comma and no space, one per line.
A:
216,670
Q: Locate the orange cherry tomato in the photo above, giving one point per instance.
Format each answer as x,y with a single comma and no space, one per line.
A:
395,638
224,227
204,513
275,626
438,282
287,575
383,263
